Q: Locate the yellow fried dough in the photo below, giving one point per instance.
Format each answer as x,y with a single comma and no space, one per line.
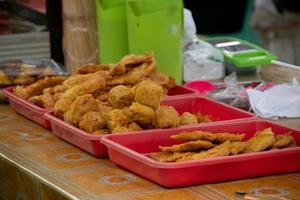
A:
261,141
187,119
168,156
194,135
222,137
188,146
282,141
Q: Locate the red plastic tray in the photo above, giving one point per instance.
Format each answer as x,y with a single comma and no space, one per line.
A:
179,91
76,136
130,150
216,110
27,109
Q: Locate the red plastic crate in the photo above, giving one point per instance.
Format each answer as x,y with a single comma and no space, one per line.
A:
130,151
216,110
76,136
27,109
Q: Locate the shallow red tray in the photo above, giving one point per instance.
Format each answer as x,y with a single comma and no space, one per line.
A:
216,110
179,91
130,151
27,109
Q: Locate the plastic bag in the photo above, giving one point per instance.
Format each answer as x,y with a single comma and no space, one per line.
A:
201,60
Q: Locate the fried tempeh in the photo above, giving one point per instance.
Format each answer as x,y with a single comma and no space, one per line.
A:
188,146
194,135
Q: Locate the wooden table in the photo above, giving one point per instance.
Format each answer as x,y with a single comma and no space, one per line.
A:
34,164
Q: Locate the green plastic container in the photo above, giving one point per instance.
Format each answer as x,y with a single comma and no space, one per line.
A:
157,26
112,29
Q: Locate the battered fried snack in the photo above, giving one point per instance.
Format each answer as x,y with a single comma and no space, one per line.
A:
117,119
96,81
4,79
194,135
238,147
120,96
141,114
101,132
187,119
23,79
55,89
136,60
46,100
222,137
203,118
92,121
120,129
217,151
117,70
188,146
166,117
168,156
283,141
165,81
263,140
38,87
149,93
134,127
82,105
92,68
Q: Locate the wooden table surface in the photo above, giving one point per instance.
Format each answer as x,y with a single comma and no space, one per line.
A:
34,164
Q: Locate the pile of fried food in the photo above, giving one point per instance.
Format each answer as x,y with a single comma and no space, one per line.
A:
111,98
201,145
16,73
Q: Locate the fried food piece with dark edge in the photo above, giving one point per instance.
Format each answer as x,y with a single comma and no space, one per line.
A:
92,68
143,115
283,140
24,79
38,87
194,135
116,119
92,121
222,137
203,118
238,147
187,119
168,156
166,117
217,151
120,96
189,146
261,141
149,93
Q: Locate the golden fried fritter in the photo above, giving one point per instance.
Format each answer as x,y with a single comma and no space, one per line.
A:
117,118
141,114
149,93
92,121
203,118
97,81
136,60
92,68
46,100
282,141
194,135
238,147
24,80
117,70
188,146
101,132
134,127
4,79
166,117
163,80
263,140
55,89
79,107
38,87
120,96
187,119
168,156
217,151
222,137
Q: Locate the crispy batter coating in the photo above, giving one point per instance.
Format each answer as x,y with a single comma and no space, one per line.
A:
120,96
217,151
116,119
168,156
92,68
55,89
97,81
238,147
189,146
141,114
46,100
166,117
101,132
79,107
187,119
203,118
38,87
283,140
4,79
222,137
194,135
263,140
117,70
92,121
136,60
165,81
149,93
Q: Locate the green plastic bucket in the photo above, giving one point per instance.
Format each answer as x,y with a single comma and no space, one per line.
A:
112,30
157,26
